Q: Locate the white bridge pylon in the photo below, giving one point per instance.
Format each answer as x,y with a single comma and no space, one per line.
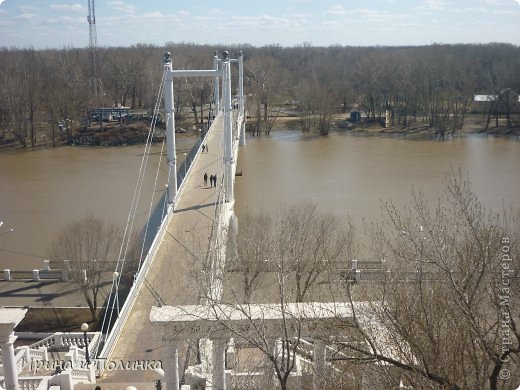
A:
222,70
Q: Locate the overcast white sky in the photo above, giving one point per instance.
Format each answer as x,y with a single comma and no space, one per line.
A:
59,23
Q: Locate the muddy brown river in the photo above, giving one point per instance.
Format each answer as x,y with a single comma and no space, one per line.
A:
42,190
350,175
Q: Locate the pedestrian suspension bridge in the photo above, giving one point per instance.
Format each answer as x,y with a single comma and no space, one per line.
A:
173,314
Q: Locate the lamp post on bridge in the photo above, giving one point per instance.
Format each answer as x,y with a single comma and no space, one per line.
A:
84,329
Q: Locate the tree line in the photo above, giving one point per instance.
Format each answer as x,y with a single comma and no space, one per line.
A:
430,85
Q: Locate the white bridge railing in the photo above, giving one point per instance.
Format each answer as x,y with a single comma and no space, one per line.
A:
112,337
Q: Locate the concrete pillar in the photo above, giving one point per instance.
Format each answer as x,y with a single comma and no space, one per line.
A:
46,265
318,362
218,363
228,129
384,265
7,274
231,354
171,368
36,275
355,271
216,88
9,318
242,129
10,369
64,275
170,128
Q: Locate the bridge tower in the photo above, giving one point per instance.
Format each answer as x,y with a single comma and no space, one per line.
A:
170,128
92,44
216,88
228,128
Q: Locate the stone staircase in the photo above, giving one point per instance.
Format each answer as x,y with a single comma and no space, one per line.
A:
58,360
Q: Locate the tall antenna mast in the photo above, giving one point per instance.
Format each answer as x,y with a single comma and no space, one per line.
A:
92,43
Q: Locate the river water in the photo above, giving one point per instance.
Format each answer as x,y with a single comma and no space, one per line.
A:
42,190
351,175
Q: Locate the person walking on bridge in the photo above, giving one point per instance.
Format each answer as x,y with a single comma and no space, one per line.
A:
205,179
215,180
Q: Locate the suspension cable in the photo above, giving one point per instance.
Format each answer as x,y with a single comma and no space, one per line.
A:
131,218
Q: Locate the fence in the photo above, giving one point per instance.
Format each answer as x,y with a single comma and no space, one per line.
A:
63,341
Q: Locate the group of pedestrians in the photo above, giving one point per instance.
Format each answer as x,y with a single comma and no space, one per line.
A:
212,180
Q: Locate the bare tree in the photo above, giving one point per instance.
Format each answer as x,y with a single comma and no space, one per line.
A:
280,259
300,244
446,306
251,251
267,88
91,246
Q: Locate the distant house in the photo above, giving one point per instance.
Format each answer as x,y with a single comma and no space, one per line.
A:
108,114
485,98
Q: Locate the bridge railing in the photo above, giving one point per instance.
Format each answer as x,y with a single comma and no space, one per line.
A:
111,338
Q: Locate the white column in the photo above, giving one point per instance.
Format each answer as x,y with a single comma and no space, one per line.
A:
241,83
218,362
228,130
171,368
170,128
318,361
216,88
9,318
10,371
242,124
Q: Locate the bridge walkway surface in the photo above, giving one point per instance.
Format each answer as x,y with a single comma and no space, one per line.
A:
171,278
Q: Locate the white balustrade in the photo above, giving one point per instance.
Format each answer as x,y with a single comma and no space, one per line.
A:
30,383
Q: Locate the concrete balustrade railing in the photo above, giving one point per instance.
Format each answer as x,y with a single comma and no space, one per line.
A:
30,383
83,374
35,275
24,355
76,355
63,341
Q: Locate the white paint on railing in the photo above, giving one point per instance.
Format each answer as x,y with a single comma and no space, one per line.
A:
113,336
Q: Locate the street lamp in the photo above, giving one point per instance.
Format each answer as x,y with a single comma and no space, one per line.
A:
9,230
185,162
160,376
84,328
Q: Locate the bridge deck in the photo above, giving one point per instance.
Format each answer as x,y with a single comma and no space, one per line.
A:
171,275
